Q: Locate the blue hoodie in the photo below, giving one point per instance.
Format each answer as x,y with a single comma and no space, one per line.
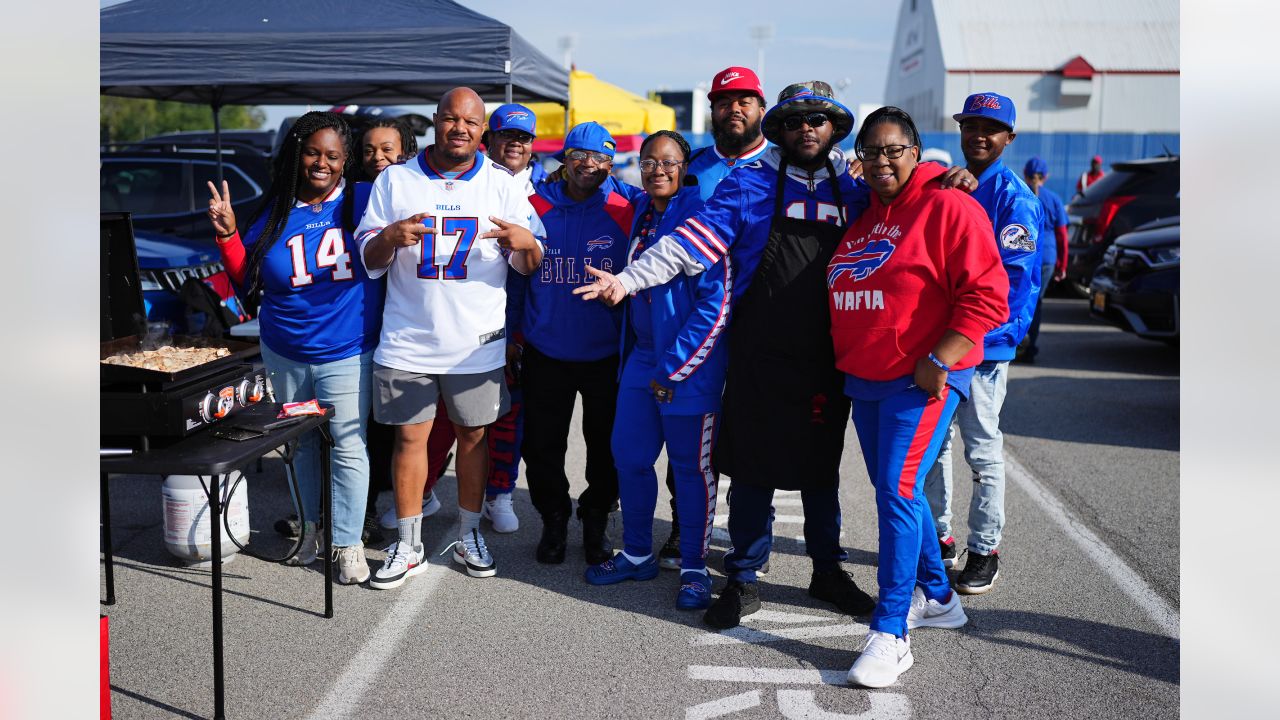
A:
592,232
680,326
1015,214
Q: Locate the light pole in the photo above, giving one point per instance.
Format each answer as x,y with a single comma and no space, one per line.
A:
566,44
762,35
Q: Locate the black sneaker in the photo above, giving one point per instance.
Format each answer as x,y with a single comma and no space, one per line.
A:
979,574
736,601
839,589
948,547
551,547
371,533
289,526
669,555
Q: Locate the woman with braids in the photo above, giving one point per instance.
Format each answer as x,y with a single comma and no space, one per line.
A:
673,365
914,285
319,315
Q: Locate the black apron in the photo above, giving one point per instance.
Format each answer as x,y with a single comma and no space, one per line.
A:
785,411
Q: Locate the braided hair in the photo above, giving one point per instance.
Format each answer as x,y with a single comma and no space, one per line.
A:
283,192
408,143
889,114
671,135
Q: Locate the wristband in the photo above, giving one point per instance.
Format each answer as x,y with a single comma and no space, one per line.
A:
221,238
941,365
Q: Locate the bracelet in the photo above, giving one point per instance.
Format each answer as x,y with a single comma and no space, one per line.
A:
232,234
941,365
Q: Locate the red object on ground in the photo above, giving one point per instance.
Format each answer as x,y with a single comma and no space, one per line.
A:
104,703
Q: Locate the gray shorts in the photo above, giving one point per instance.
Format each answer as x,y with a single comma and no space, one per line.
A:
401,397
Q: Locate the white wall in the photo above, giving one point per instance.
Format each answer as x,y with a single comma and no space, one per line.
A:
1117,103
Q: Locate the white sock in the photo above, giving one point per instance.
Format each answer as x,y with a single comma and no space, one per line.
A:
636,559
467,521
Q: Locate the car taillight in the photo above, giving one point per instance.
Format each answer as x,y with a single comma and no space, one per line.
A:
1107,213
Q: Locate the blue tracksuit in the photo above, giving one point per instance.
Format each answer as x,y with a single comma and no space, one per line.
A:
1016,215
673,334
1054,216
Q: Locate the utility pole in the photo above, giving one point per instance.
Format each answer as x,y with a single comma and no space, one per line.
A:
762,35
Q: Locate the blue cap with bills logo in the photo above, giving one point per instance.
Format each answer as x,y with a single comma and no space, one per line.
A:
988,105
1036,166
513,116
588,136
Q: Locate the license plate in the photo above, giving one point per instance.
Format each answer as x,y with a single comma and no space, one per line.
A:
1100,301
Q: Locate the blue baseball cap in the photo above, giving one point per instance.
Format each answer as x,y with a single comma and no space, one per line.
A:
588,136
1036,166
988,105
513,116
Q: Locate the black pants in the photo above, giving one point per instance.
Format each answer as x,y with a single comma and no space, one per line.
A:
550,389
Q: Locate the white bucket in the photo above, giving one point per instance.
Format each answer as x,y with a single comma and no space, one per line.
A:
187,517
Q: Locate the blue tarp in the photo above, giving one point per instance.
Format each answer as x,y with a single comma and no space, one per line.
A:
316,51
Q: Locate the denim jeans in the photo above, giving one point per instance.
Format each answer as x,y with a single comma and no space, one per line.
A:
1046,276
346,384
979,421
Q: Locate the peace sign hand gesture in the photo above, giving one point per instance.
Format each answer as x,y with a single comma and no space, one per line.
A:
220,212
511,236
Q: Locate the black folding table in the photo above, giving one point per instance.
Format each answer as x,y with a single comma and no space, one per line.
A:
213,459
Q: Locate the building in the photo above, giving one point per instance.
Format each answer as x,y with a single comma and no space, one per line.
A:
1086,66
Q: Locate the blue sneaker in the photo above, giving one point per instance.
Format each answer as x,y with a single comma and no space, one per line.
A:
620,569
695,592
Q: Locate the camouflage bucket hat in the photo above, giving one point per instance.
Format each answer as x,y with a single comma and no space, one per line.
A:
807,97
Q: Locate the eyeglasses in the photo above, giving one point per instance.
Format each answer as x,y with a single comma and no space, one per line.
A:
870,152
584,155
813,120
649,165
513,136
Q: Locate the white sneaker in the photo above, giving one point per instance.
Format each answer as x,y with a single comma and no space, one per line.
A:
931,613
390,520
501,514
883,659
402,562
472,552
353,569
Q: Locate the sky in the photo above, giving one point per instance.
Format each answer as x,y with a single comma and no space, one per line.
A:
642,46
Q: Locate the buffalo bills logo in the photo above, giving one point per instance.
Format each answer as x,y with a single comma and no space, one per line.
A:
517,115
984,101
601,243
859,264
806,92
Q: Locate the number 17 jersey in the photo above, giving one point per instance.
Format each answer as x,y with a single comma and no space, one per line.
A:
445,309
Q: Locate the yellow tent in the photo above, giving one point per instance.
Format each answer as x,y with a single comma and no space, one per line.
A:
621,112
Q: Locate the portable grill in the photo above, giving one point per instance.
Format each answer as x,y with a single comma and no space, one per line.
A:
143,408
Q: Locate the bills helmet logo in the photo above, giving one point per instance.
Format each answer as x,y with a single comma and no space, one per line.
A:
517,115
983,101
806,92
1018,238
601,243
859,264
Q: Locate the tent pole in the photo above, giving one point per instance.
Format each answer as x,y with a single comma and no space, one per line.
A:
216,105
507,68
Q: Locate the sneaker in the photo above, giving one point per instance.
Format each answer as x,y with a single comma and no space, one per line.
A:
352,567
695,592
979,574
472,552
931,613
402,562
371,533
883,659
288,526
669,555
948,547
309,548
620,569
390,520
736,601
837,587
499,511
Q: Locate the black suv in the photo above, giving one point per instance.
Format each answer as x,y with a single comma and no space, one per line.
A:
1133,193
1137,285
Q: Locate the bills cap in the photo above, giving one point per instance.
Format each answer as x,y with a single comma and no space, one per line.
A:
988,105
588,136
513,116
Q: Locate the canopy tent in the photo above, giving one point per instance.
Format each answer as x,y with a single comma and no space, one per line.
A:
316,51
590,98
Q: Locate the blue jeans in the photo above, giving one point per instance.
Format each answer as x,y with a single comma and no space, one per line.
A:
979,421
346,385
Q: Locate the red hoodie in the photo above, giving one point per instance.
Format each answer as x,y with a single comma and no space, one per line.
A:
906,272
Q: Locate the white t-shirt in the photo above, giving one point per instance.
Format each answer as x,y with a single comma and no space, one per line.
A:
446,298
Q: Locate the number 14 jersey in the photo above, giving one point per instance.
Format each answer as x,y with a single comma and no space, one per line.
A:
446,300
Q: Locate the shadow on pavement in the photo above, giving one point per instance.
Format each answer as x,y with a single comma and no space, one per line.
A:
1127,413
155,703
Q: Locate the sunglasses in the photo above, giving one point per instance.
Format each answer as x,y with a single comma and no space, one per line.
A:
813,120
513,136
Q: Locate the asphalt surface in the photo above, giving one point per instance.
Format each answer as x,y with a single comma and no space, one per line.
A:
1082,622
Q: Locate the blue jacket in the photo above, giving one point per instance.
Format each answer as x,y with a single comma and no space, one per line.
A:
710,167
592,232
688,319
1055,216
1016,216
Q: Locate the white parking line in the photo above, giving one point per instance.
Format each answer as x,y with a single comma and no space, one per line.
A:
752,636
777,676
723,706
1161,613
345,697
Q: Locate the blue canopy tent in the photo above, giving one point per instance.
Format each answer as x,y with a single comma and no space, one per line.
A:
317,51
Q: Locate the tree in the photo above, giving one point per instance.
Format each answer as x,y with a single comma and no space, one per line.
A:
129,119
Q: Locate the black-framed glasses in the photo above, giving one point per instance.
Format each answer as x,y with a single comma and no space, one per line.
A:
814,120
513,136
649,164
584,155
871,152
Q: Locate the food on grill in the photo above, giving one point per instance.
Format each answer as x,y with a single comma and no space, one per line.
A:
168,358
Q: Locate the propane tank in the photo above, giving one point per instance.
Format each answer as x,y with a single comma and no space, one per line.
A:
186,518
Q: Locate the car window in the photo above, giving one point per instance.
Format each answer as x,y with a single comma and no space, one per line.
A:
241,187
144,187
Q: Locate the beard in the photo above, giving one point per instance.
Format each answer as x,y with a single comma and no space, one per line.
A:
803,158
733,143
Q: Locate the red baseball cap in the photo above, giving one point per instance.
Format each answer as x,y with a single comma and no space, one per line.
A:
735,79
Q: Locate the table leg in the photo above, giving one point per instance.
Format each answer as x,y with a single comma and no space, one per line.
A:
215,548
326,515
104,510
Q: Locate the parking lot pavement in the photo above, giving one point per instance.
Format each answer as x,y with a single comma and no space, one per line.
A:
1078,625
